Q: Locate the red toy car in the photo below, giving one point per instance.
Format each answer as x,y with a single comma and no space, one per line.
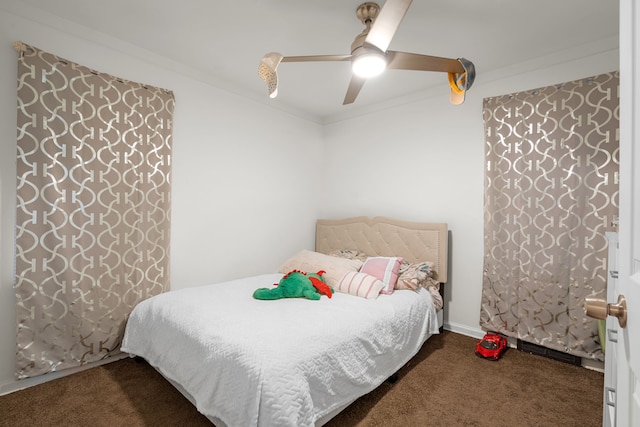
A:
491,346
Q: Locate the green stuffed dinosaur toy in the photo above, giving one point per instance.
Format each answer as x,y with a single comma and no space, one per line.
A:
297,284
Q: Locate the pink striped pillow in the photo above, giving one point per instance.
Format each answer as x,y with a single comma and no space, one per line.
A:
360,285
384,268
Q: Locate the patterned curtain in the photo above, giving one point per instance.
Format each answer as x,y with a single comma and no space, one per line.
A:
551,193
93,208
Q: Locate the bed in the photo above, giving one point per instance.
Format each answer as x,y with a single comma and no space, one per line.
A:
295,362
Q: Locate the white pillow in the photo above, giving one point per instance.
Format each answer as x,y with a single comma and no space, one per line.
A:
312,262
359,284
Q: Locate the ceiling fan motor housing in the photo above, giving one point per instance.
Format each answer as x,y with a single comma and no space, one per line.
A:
368,12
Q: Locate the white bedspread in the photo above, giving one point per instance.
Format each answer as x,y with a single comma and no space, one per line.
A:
286,362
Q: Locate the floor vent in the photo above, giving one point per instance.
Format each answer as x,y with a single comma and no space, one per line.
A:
548,353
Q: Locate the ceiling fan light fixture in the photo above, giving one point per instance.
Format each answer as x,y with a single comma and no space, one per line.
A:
368,64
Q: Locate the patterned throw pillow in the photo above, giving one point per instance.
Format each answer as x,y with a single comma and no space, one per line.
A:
413,276
385,269
360,284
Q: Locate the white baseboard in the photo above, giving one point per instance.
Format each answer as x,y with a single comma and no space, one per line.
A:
464,330
594,365
475,333
12,386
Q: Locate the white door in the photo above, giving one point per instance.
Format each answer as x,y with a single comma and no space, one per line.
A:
628,283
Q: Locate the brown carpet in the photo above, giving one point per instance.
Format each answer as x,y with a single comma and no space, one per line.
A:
444,385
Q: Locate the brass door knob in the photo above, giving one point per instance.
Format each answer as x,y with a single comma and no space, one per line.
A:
599,309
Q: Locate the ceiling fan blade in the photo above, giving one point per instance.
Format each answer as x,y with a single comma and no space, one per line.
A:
387,22
267,70
312,58
414,61
456,98
355,85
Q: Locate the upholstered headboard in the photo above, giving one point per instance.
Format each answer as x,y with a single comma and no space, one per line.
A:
414,241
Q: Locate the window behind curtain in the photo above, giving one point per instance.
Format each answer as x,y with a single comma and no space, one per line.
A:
551,193
93,208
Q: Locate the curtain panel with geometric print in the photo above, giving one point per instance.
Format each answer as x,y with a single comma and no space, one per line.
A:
93,208
551,193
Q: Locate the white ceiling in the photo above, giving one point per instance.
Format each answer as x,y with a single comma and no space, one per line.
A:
226,39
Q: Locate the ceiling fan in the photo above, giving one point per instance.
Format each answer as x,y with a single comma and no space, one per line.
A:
369,55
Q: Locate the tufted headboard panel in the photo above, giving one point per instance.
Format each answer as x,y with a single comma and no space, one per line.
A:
414,241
